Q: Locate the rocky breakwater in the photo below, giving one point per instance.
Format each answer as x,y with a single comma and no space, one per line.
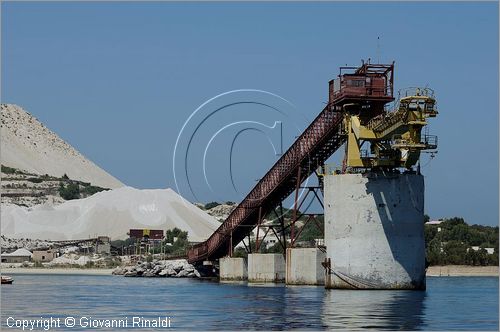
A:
179,268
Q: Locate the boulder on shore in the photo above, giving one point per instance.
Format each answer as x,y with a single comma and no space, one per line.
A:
178,268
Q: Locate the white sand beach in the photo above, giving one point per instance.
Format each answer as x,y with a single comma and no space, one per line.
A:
462,271
75,271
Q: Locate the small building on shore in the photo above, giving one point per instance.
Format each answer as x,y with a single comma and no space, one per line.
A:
19,256
490,251
103,245
44,256
435,222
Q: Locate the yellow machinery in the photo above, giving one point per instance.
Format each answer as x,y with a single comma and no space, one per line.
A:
394,137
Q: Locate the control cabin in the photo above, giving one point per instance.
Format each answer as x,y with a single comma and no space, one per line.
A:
370,84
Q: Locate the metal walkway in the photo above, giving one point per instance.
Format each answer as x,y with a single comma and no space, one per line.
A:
310,151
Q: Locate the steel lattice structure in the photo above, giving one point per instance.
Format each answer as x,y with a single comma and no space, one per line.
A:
311,149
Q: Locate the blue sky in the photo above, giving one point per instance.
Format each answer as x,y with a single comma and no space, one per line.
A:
119,80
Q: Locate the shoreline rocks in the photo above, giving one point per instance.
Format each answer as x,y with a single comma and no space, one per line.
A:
178,268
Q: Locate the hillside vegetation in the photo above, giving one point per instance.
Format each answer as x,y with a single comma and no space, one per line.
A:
29,189
451,242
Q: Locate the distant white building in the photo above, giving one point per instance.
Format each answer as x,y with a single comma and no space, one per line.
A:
18,256
435,222
44,255
103,245
270,239
319,242
490,251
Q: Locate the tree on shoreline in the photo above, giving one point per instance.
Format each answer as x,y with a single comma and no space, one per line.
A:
452,242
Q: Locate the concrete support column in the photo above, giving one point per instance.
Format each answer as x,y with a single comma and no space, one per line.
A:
303,266
374,231
266,268
233,268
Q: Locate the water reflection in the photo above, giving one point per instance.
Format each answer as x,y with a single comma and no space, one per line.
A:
392,310
302,308
448,304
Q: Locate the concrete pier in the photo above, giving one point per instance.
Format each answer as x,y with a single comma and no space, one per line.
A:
374,231
303,266
266,268
233,268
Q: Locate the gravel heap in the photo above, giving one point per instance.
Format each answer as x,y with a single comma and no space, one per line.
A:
221,212
10,244
28,145
179,268
112,213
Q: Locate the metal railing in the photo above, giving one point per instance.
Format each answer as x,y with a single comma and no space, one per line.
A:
415,91
305,155
431,141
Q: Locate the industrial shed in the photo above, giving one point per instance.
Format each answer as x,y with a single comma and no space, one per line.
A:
18,256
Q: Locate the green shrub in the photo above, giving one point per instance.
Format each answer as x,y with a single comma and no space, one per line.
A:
240,252
71,191
451,242
91,190
35,180
211,205
313,230
178,240
8,170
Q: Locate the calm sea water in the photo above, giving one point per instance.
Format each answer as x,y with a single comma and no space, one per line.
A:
450,303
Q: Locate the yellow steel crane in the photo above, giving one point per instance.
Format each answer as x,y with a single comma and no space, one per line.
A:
394,137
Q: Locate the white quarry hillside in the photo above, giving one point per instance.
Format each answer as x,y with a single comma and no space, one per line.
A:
222,211
28,145
110,213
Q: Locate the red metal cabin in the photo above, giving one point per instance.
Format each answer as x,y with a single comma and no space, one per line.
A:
152,234
370,83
